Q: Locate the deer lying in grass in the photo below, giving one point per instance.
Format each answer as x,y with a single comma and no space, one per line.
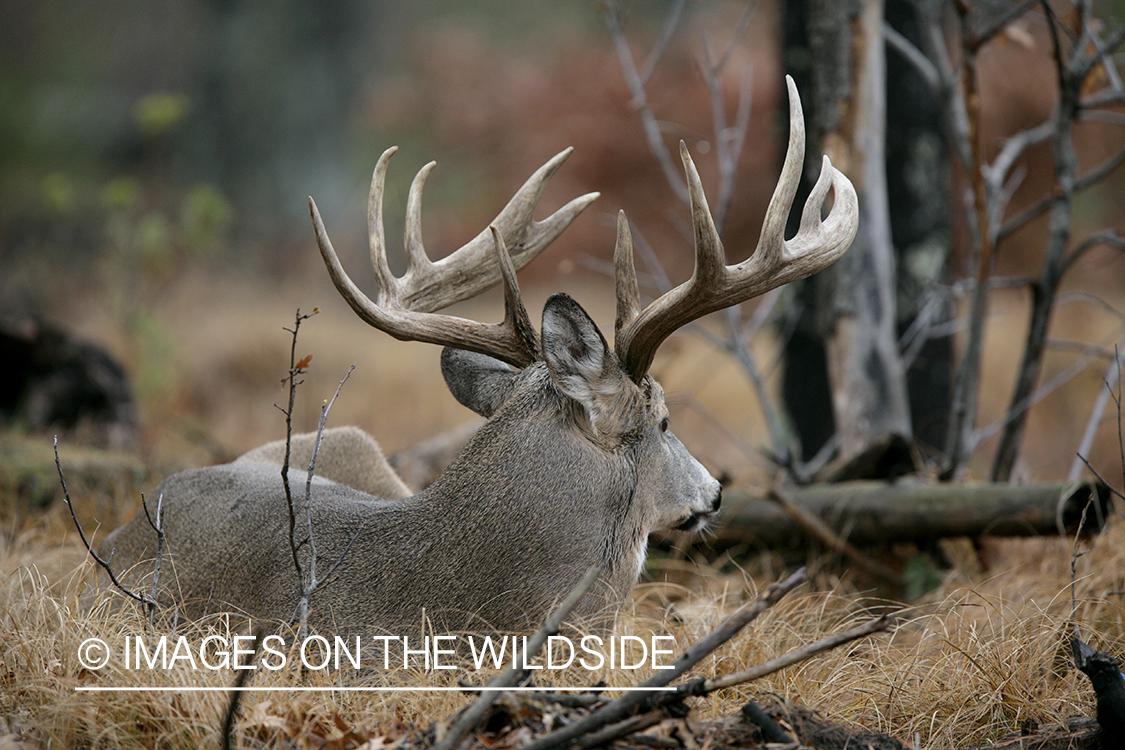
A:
574,467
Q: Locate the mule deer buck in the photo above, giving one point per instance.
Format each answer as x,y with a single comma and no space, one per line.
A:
574,467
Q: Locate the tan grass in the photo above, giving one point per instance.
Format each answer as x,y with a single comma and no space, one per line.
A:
964,667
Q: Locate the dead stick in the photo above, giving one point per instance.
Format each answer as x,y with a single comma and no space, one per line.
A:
829,538
796,656
625,705
472,714
624,728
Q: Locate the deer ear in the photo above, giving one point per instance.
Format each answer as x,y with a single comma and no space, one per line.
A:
579,359
477,380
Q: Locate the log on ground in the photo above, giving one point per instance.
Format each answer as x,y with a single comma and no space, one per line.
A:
865,513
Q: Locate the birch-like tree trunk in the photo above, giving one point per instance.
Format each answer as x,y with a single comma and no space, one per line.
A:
856,306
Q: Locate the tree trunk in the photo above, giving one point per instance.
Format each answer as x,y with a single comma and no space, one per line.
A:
846,340
865,372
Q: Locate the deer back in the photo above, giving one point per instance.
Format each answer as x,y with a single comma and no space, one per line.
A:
346,455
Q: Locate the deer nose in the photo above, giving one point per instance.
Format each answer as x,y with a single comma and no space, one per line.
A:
718,500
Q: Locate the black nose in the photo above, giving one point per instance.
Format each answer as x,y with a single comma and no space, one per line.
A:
717,501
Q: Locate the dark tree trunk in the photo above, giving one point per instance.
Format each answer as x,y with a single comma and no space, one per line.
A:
822,42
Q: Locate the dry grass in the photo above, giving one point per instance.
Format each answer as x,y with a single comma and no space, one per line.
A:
965,666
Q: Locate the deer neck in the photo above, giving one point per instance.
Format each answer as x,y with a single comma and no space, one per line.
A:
533,472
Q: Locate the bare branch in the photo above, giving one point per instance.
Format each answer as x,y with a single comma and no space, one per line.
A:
158,527
1101,479
1096,414
914,56
294,372
819,530
641,104
796,656
1036,209
1018,408
667,33
979,37
728,140
314,584
1105,237
740,28
105,564
311,472
966,380
1072,72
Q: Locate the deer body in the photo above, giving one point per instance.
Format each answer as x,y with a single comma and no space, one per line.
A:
574,467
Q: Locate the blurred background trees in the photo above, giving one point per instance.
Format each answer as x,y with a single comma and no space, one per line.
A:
141,146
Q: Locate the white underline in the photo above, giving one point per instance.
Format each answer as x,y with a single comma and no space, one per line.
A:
354,689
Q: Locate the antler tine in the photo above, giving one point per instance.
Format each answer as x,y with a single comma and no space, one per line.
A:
516,320
403,307
514,341
376,238
417,260
465,272
776,261
625,280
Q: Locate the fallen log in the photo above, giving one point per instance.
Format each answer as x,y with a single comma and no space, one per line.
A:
864,513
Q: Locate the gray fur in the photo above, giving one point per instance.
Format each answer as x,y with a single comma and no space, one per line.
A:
347,455
535,498
476,380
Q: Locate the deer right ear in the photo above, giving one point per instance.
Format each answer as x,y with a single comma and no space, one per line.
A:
477,380
580,361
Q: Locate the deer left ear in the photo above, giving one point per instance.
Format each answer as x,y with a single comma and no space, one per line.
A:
476,380
580,361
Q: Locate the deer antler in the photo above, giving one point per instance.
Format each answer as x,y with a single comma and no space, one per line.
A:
714,285
404,306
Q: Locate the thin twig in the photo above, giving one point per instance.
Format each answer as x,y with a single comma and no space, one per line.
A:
796,656
966,381
296,369
1092,352
158,527
1071,71
623,728
740,28
667,33
1105,237
979,38
914,56
105,564
236,696
1036,209
640,102
313,584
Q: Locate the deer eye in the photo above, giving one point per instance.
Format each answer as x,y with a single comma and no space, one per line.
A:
664,424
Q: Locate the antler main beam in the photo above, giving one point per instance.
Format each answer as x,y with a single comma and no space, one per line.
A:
404,306
714,285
